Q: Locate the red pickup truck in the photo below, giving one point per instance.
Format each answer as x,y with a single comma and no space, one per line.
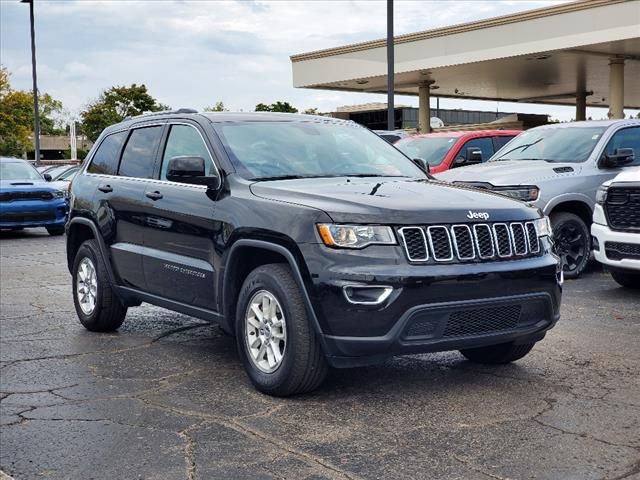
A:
446,150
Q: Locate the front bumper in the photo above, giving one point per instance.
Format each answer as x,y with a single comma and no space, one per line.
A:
33,213
431,307
606,239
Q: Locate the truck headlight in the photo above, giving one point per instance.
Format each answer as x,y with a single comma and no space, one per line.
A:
355,236
60,194
543,226
525,193
601,195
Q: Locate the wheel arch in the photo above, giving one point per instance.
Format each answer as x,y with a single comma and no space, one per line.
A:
79,230
575,205
244,256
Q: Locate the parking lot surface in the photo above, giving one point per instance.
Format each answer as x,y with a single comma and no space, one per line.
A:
166,397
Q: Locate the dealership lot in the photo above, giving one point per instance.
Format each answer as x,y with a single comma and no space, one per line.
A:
167,397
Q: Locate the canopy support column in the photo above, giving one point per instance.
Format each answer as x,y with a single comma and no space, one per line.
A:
616,88
424,114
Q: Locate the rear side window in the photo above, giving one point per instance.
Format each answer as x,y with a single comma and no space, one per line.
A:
105,160
139,154
501,141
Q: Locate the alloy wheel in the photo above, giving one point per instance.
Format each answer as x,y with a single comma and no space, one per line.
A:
266,333
571,244
87,286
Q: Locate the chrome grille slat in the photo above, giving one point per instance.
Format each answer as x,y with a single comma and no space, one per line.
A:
519,238
415,243
533,243
463,242
441,252
502,238
484,240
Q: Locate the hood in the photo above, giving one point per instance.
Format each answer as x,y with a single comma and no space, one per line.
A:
27,185
394,201
629,174
511,172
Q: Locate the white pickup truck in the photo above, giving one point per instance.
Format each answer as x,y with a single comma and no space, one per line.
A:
616,227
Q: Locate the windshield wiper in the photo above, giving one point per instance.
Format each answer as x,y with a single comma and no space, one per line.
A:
284,177
524,146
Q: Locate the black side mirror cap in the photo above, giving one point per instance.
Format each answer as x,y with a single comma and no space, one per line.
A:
47,177
621,156
191,170
422,164
473,155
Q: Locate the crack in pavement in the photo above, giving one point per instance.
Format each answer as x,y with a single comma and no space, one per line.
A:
634,469
472,466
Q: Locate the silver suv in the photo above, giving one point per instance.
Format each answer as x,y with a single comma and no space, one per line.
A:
559,168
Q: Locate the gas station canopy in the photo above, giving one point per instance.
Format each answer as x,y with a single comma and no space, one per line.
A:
581,53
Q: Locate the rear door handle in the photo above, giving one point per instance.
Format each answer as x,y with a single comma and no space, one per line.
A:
154,195
105,188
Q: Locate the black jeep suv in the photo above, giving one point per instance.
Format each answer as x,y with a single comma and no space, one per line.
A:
312,240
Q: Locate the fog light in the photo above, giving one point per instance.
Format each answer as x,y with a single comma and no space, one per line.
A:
366,294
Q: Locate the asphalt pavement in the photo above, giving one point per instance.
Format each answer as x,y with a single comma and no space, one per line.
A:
166,397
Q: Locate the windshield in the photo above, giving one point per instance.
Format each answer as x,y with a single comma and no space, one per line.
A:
570,144
431,149
18,171
271,150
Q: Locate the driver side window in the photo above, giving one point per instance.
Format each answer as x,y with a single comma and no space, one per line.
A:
626,138
184,140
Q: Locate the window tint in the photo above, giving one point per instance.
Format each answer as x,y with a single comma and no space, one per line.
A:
626,138
184,140
485,144
501,141
105,160
140,152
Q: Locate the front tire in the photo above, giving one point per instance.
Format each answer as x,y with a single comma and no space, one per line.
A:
498,354
573,241
97,306
626,278
55,231
278,346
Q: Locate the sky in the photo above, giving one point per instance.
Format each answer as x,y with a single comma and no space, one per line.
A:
195,53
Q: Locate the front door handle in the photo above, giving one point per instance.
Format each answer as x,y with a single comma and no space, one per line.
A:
154,195
105,188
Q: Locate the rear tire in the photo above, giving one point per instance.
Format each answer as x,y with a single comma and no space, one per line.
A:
97,306
55,231
573,242
279,349
626,278
498,354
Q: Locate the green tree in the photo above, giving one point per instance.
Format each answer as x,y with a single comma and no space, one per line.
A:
311,111
217,107
16,118
278,106
116,104
50,115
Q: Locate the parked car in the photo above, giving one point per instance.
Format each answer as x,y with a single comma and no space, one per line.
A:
616,227
391,136
445,150
559,168
313,241
27,200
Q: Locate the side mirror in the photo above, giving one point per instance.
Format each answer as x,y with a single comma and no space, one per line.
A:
621,156
473,155
191,170
422,164
47,177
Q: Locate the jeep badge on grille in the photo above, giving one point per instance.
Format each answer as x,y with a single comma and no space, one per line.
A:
478,215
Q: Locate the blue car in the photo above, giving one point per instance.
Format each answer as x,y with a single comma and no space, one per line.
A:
28,201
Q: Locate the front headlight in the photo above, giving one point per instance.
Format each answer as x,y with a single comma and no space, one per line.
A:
525,193
60,194
601,195
543,226
355,236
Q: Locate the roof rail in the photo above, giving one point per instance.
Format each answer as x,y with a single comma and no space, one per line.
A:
163,112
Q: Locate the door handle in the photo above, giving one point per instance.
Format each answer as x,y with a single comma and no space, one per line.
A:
154,195
105,188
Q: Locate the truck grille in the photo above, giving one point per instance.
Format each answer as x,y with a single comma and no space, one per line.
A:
621,251
470,243
623,208
25,195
